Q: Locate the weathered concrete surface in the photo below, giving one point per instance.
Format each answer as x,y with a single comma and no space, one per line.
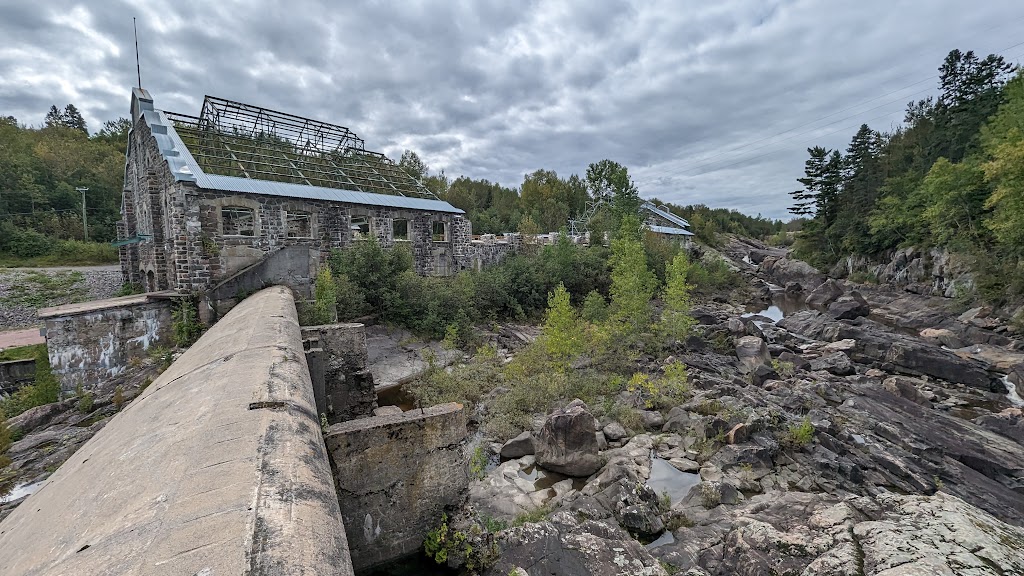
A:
347,383
93,341
218,468
395,476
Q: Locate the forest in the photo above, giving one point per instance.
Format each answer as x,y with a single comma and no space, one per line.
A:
952,177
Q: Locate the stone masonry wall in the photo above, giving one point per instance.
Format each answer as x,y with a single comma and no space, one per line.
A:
89,345
16,373
395,475
184,247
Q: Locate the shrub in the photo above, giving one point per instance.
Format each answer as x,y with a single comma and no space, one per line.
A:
676,322
800,434
324,309
185,325
44,390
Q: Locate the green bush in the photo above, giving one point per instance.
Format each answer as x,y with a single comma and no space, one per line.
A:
44,390
185,325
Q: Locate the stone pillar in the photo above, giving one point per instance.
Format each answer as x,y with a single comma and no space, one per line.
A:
348,384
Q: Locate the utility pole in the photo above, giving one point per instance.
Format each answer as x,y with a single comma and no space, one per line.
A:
85,225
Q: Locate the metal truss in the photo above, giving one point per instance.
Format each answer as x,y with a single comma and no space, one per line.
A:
236,139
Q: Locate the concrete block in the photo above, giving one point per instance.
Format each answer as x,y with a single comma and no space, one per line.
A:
395,476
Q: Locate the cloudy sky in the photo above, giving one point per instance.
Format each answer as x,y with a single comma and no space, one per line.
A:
704,102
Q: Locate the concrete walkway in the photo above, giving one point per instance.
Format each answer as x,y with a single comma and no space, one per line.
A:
217,469
15,338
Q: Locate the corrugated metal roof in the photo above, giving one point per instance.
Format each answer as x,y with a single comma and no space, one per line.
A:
665,214
184,168
670,230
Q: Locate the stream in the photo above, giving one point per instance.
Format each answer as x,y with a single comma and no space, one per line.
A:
22,490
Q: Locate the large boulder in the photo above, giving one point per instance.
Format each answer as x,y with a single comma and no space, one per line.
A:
752,352
566,443
933,361
837,363
825,294
907,388
518,447
571,545
849,307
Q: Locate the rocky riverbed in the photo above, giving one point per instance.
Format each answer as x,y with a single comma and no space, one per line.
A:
834,429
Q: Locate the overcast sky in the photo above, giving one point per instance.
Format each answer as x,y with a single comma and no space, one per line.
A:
704,102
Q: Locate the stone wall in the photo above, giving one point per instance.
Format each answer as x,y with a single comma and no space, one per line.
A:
91,342
15,374
395,475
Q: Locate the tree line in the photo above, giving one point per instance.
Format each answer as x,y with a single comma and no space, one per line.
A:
545,202
40,169
950,176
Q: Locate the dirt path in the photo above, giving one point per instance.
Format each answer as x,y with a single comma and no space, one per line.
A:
15,338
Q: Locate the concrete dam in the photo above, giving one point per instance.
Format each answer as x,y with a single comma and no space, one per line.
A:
223,465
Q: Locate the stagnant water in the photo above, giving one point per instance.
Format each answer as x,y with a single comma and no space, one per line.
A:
665,478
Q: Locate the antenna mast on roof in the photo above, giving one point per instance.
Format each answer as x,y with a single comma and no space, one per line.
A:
138,69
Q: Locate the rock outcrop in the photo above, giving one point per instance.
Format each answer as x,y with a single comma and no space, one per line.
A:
566,443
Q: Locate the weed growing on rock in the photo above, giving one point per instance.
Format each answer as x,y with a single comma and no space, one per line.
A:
665,502
538,515
800,434
446,545
185,325
118,398
85,400
478,463
710,495
676,520
784,369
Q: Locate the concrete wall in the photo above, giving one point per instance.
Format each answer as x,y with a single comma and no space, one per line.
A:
88,343
293,266
15,374
347,384
217,469
395,476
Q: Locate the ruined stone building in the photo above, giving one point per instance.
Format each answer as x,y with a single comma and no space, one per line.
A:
207,197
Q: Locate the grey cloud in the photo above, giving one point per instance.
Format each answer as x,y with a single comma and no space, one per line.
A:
694,97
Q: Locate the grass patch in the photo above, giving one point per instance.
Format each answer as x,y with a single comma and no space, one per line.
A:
538,515
21,352
64,253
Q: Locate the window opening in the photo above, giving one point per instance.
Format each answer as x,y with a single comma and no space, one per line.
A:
400,230
299,224
360,228
238,221
440,231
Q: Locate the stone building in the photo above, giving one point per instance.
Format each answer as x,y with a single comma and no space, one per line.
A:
208,197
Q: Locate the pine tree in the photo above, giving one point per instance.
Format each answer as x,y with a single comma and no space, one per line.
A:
54,117
72,118
821,181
